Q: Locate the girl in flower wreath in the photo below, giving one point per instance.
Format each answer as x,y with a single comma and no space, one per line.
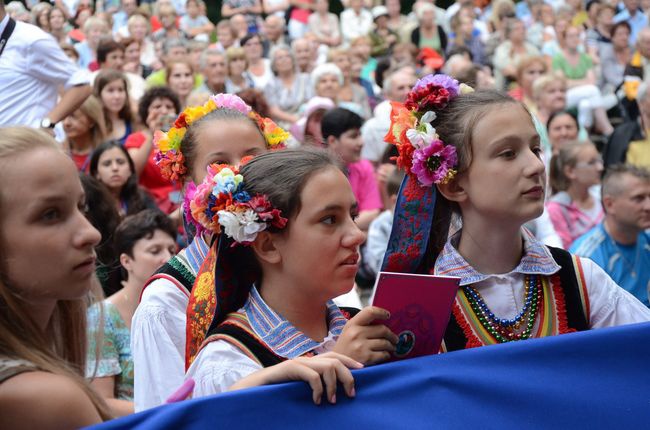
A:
477,156
223,130
289,245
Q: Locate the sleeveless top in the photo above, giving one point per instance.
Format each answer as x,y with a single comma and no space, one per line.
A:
10,367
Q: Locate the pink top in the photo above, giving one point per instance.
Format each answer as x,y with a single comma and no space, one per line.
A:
569,221
364,185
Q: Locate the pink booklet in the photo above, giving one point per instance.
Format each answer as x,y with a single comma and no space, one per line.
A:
419,306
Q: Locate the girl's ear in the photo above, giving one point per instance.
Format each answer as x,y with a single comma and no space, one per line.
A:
569,172
265,248
126,262
453,191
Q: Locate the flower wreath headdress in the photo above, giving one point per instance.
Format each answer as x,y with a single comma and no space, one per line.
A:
421,152
427,160
169,157
220,202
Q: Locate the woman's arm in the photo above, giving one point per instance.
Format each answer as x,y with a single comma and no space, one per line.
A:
140,154
105,387
280,115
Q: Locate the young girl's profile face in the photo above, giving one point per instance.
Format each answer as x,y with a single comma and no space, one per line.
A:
505,179
113,95
348,146
50,204
224,142
320,250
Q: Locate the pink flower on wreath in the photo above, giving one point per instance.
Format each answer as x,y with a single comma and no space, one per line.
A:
230,101
434,164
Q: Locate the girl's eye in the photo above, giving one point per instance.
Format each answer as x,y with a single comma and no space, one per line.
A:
50,215
507,154
155,250
329,220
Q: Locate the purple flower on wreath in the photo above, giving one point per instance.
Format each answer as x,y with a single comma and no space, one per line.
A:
448,83
434,164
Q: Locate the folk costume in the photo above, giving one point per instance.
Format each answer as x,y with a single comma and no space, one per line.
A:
158,334
550,291
231,331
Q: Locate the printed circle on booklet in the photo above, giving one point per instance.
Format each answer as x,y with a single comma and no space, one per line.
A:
405,343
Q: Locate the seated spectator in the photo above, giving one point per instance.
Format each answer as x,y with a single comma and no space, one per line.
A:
396,20
598,37
239,26
577,68
307,130
214,68
382,37
303,52
638,69
180,79
630,143
621,243
110,56
288,90
226,36
168,18
114,168
157,110
172,50
362,47
85,130
57,25
510,52
341,130
614,57
274,30
133,58
94,30
324,25
251,10
194,24
529,70
575,208
634,16
349,92
111,89
276,7
428,34
355,21
238,76
143,242
463,34
259,68
562,127
139,29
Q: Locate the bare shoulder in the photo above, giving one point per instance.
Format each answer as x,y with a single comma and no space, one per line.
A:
44,400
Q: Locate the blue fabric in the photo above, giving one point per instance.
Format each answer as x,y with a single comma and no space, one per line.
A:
581,380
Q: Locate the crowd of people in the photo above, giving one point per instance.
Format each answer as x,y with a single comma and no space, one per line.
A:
212,201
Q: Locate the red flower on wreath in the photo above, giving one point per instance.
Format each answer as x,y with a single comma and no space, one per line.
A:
429,97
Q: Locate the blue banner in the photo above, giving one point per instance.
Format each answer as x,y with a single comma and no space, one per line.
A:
596,379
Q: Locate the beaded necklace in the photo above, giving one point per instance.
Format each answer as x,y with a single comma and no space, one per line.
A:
507,330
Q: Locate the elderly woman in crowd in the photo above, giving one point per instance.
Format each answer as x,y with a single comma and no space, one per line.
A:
510,52
288,90
528,70
614,57
259,68
350,92
428,34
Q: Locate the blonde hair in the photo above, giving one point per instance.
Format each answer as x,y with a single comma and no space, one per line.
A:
541,84
61,348
93,109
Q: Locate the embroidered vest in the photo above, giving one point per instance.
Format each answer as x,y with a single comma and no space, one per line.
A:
236,330
565,308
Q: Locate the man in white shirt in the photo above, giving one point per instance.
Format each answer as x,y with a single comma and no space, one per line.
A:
32,68
355,21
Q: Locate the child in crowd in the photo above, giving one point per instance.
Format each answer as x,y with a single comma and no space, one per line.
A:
194,24
222,131
477,155
44,286
111,88
143,242
575,208
296,249
341,131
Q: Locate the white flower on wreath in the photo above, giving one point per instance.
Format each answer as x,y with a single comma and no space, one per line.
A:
423,134
241,226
